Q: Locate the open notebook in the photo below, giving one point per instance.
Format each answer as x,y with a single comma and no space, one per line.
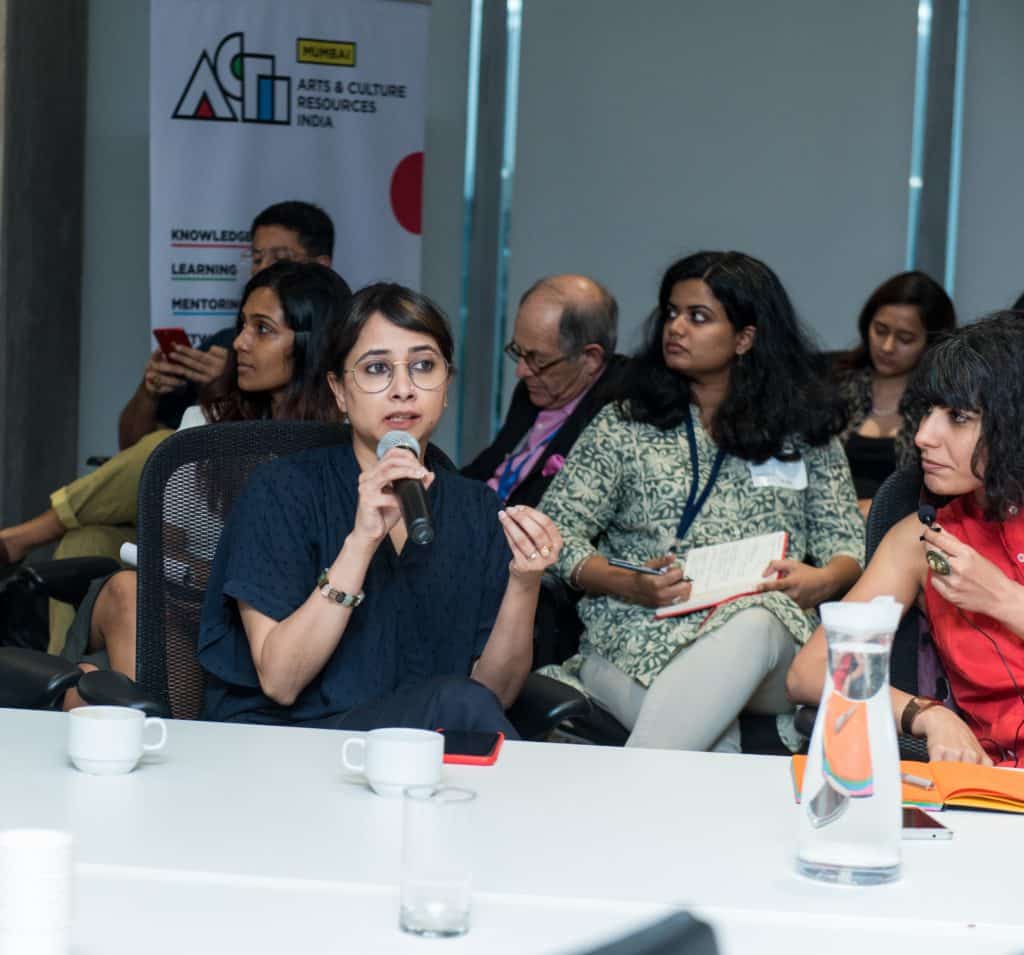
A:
723,572
961,785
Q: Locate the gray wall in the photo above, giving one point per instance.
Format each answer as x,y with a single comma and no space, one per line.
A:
782,130
990,256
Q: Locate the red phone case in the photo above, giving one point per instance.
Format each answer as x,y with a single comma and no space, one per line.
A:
488,759
167,338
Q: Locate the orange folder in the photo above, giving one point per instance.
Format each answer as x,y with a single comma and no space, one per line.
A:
961,785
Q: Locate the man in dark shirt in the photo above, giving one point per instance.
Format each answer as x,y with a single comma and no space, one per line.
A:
563,344
291,230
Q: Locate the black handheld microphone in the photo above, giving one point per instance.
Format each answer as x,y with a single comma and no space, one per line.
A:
412,495
926,514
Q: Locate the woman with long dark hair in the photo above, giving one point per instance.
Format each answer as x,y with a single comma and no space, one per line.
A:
725,431
321,611
271,372
968,566
900,321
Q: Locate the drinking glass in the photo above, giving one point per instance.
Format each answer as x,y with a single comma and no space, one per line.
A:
436,860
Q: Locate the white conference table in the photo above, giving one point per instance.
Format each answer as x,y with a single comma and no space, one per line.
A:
254,839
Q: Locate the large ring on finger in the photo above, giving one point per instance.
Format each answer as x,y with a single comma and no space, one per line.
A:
545,551
533,556
938,563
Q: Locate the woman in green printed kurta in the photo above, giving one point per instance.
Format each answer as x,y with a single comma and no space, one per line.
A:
727,373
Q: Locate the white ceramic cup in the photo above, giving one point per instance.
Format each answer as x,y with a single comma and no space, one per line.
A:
36,891
107,740
392,759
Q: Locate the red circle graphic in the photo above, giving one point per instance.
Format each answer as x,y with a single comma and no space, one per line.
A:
407,193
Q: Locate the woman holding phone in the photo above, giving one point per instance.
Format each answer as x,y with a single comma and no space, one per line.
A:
270,373
968,566
725,431
321,611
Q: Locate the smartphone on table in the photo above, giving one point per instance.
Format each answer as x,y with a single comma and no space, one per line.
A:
471,748
917,824
167,338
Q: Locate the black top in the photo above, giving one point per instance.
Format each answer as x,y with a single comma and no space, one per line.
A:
872,460
520,418
428,611
171,407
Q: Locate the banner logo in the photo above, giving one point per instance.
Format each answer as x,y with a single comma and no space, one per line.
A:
233,85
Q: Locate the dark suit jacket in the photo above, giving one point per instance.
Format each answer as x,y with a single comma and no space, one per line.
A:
520,418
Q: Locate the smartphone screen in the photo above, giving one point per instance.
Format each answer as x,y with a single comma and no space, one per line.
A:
917,824
466,743
167,338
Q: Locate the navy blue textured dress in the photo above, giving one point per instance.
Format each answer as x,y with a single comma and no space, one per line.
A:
428,611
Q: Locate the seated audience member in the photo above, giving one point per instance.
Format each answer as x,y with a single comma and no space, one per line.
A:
95,514
271,373
321,612
726,431
298,231
563,344
968,567
903,317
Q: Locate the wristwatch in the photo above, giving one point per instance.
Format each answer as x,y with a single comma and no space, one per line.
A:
917,704
338,596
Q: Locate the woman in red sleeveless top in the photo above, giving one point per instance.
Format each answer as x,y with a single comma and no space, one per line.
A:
968,568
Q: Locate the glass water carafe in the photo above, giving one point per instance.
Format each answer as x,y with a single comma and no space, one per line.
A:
850,806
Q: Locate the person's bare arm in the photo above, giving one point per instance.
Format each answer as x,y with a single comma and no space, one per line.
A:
809,586
894,570
138,417
289,653
160,377
898,569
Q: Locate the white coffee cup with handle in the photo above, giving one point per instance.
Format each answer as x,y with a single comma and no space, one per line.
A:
109,740
393,758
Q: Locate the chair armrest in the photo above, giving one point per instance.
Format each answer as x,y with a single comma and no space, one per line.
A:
32,680
110,688
543,703
68,579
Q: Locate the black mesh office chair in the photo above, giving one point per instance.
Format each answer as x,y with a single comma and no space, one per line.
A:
187,489
188,486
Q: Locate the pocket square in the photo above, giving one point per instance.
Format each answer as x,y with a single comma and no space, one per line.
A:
553,465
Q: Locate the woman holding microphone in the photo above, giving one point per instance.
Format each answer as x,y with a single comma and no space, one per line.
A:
321,610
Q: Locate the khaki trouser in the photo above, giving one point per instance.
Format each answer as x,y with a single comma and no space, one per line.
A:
99,512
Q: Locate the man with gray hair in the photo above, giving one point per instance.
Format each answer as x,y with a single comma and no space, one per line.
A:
563,344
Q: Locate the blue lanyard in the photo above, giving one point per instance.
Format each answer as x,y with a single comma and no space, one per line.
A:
510,476
693,502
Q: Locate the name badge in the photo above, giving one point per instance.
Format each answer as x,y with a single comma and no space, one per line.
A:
791,475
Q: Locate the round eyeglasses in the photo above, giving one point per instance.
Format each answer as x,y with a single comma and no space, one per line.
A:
373,375
513,351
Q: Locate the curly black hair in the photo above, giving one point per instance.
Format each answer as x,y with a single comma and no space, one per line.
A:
980,368
777,392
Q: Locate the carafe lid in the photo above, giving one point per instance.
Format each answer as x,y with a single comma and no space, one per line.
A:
881,615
